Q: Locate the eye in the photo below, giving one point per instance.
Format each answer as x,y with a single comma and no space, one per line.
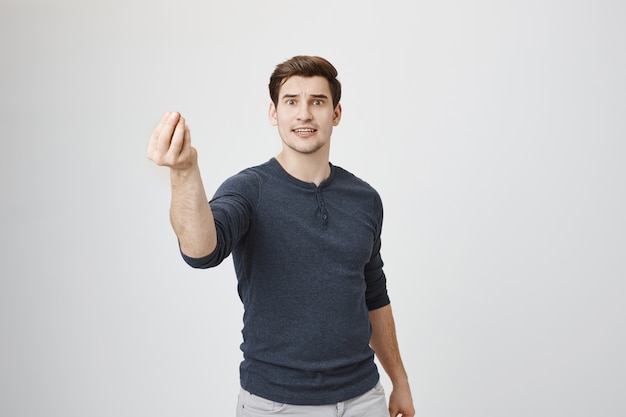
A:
290,101
318,102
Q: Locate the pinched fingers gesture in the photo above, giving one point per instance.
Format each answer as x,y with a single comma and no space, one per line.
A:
170,143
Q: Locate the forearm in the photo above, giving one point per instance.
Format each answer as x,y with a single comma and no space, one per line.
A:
385,344
190,213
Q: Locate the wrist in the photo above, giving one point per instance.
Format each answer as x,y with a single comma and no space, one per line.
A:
400,381
183,174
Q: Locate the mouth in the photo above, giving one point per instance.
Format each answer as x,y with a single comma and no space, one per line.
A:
304,131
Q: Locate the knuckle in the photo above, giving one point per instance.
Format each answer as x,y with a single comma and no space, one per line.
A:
159,160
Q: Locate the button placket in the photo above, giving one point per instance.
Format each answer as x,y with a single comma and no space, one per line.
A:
322,207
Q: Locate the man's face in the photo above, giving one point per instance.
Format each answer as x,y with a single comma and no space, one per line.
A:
304,114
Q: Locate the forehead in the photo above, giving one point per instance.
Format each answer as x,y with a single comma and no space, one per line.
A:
299,85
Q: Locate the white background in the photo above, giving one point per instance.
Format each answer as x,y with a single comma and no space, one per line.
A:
494,131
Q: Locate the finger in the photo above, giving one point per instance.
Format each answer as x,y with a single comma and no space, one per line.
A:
186,143
178,138
164,138
187,138
157,130
154,137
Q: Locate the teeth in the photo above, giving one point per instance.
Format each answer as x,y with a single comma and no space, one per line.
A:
304,130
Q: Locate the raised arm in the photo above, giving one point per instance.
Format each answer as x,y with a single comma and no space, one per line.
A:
385,344
190,213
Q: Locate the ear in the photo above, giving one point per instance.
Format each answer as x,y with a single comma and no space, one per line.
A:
272,115
337,115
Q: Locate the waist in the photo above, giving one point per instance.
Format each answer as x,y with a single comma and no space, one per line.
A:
308,386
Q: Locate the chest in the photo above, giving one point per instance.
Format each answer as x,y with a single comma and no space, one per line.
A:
317,225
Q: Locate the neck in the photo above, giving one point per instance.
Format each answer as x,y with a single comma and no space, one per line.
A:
313,168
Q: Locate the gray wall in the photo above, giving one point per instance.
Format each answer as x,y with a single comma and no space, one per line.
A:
494,132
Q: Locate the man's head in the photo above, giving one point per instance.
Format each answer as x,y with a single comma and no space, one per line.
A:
305,66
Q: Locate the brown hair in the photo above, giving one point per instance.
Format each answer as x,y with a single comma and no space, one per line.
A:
305,66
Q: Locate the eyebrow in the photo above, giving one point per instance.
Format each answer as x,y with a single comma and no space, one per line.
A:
322,96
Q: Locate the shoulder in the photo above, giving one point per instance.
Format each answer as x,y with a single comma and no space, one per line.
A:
347,178
245,182
361,190
252,174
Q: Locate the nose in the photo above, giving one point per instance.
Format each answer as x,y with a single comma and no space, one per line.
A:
304,112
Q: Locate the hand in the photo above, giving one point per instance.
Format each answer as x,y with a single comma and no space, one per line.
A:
401,402
170,143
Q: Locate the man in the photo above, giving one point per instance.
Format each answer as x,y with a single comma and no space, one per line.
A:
305,240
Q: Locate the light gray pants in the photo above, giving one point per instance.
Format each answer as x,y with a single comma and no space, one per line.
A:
371,404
